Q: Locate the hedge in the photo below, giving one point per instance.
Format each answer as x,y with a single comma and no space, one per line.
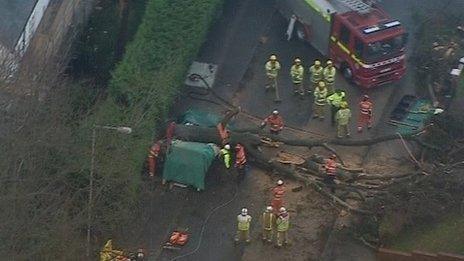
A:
141,92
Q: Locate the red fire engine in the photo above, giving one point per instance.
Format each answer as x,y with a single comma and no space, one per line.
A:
361,39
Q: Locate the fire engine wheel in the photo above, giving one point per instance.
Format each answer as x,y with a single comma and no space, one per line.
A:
300,32
347,73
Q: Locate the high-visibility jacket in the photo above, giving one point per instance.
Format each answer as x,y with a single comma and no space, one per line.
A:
268,220
317,74
243,222
320,96
365,107
283,222
108,253
272,68
343,116
278,192
275,122
240,157
330,167
297,73
329,74
335,99
226,156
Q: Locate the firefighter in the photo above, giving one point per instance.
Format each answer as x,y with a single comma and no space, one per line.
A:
297,74
240,162
278,193
108,253
153,157
268,224
343,118
329,75
330,168
316,74
283,223
275,121
272,71
243,226
320,100
365,113
334,101
225,154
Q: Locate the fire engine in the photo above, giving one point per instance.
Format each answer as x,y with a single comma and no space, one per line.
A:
365,44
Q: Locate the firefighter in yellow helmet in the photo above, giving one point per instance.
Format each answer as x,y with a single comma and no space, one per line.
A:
329,75
272,71
343,118
320,101
297,75
108,253
316,72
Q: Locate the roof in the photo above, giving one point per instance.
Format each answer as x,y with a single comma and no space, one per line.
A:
14,15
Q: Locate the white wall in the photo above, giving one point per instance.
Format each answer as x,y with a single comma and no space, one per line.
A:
31,26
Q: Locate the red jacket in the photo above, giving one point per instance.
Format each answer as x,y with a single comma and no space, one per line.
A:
365,107
275,122
240,156
278,192
331,167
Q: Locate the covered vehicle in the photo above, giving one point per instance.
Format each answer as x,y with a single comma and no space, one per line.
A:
188,162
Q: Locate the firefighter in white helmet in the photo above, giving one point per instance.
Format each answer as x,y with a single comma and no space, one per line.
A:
243,226
316,72
297,74
329,75
272,67
283,223
268,220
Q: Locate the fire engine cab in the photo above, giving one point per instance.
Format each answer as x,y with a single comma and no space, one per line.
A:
361,39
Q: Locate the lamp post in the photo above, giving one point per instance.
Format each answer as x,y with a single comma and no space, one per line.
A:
124,130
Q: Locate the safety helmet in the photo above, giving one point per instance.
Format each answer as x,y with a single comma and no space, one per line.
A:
332,156
227,147
280,182
321,84
297,60
282,210
329,62
269,208
273,58
275,112
366,97
317,62
244,211
344,105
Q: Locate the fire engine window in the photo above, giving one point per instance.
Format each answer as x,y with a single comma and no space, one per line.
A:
344,35
358,47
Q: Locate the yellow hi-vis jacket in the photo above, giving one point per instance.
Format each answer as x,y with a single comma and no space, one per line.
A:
272,69
329,74
297,73
268,220
227,158
335,99
317,74
283,223
108,253
243,222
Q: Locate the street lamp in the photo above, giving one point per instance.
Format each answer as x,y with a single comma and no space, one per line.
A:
120,129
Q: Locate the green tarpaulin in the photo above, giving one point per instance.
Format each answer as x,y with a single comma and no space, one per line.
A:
188,163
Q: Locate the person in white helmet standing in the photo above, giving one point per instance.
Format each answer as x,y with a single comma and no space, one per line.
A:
243,226
278,193
283,223
268,224
272,71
